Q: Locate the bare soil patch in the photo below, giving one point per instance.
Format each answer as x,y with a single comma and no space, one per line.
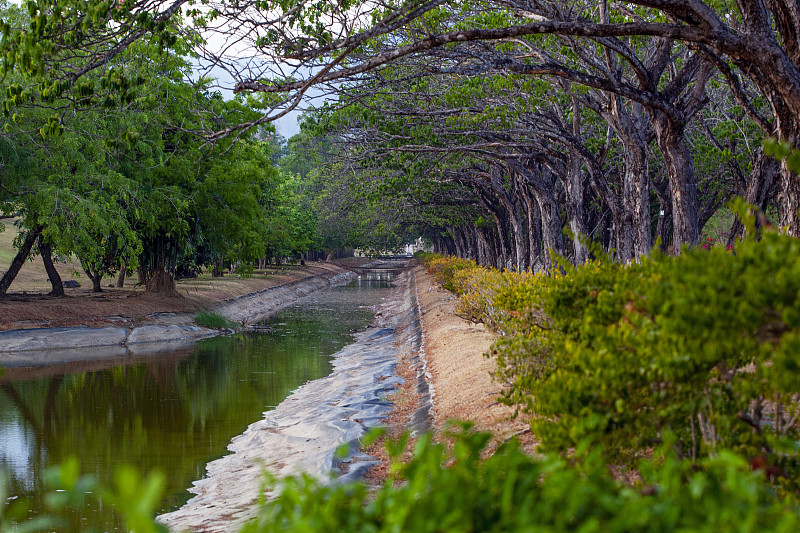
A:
461,373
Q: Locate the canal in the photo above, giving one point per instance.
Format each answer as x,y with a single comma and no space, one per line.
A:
171,411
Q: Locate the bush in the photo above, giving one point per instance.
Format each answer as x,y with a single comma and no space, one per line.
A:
478,288
512,492
208,319
444,268
509,491
704,346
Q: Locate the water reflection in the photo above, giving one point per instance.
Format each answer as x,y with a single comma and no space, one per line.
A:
174,411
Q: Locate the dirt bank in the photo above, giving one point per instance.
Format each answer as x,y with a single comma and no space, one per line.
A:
447,378
460,374
49,345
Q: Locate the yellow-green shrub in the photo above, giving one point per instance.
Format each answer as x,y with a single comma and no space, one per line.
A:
444,268
704,347
478,287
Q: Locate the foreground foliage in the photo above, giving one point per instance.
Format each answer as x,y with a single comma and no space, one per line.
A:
512,492
134,496
680,372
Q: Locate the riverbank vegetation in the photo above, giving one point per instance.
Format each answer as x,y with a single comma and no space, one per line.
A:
510,491
575,162
664,394
641,426
699,347
209,319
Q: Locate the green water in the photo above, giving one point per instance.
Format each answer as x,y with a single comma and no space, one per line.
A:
172,411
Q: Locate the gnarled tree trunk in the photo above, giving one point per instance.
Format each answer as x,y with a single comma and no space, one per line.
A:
19,259
682,182
56,285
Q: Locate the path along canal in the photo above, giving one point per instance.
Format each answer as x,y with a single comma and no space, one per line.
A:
172,411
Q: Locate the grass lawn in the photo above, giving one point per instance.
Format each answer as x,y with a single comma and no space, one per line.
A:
6,243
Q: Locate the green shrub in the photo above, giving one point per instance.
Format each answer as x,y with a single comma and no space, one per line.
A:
512,492
478,288
458,490
705,345
208,319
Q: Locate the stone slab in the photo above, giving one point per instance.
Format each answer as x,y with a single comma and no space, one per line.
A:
60,338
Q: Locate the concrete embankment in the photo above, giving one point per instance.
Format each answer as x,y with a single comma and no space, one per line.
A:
257,306
302,434
29,347
54,345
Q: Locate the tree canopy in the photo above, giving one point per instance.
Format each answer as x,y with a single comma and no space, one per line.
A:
489,127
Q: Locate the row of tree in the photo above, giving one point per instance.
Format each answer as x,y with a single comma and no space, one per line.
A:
126,185
490,126
493,145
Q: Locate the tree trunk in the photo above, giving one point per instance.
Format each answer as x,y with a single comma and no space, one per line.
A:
682,184
636,184
459,251
19,260
161,282
500,230
552,237
573,185
664,216
122,272
507,202
57,286
632,213
541,183
517,232
534,222
217,271
762,178
789,201
95,277
466,245
489,255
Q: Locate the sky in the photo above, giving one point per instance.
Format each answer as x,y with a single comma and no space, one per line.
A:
287,125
